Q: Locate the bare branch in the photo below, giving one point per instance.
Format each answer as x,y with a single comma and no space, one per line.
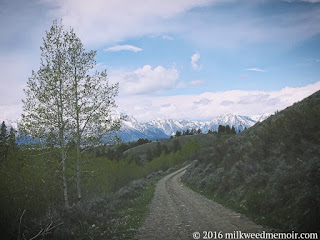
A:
56,226
38,234
19,230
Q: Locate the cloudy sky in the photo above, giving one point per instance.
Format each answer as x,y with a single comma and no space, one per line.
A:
180,59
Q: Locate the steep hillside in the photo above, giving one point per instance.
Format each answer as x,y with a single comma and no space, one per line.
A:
270,171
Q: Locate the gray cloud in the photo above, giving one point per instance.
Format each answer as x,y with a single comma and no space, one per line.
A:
252,99
259,99
203,101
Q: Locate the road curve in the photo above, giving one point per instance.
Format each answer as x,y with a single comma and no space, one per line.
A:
176,212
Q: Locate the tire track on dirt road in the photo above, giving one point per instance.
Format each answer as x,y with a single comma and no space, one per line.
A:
176,212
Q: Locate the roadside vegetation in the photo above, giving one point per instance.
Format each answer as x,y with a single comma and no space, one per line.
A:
115,192
271,171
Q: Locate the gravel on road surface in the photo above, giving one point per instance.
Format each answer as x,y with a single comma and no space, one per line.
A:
176,212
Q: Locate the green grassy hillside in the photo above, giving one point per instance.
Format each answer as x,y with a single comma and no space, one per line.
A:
270,171
116,190
204,140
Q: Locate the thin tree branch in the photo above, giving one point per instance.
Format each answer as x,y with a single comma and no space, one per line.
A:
19,231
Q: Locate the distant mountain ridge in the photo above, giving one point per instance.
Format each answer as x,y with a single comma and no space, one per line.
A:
132,130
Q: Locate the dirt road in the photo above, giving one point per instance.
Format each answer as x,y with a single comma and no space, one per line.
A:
176,212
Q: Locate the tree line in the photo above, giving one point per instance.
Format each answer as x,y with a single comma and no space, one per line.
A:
226,129
221,130
187,132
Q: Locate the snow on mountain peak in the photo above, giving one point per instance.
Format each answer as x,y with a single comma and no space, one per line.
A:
164,128
132,129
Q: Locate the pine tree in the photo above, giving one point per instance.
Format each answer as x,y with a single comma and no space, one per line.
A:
12,144
227,129
3,141
233,130
221,129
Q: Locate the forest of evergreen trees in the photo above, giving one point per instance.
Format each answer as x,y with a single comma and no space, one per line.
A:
221,130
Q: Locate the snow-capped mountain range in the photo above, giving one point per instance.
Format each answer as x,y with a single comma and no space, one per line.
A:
132,130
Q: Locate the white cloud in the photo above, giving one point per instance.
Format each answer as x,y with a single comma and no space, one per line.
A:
208,105
10,112
123,47
203,101
146,80
15,70
204,106
167,37
255,69
194,61
99,21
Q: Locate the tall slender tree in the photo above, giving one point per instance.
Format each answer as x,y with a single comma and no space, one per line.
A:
91,100
66,102
45,104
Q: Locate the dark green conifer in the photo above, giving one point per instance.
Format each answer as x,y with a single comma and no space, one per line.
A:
12,144
3,141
